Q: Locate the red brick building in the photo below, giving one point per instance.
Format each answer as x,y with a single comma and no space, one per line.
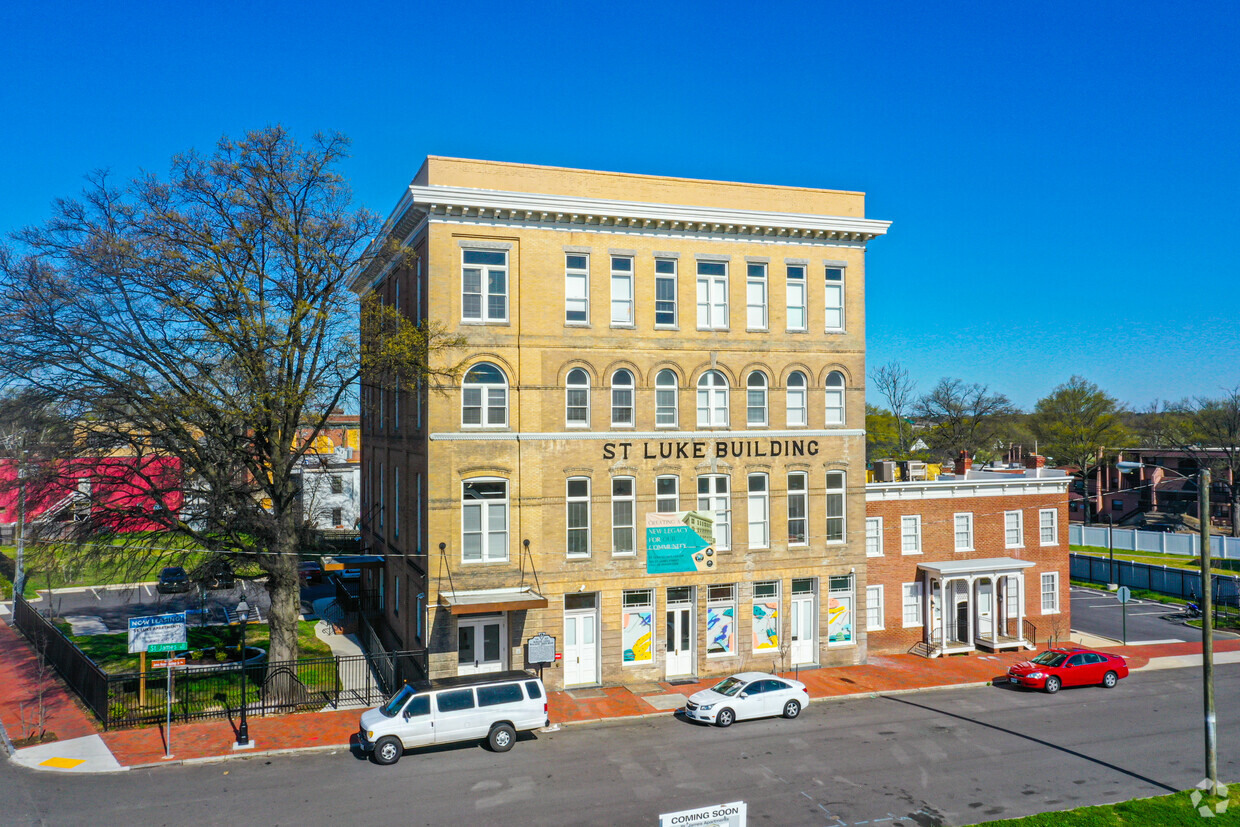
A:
989,549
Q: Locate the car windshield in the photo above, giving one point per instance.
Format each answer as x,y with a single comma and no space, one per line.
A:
729,686
1050,658
393,707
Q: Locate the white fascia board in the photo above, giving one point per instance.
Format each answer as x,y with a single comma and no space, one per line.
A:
963,489
469,197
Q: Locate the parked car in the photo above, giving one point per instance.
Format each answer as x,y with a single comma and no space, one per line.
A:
493,707
1056,668
216,574
310,571
173,580
747,695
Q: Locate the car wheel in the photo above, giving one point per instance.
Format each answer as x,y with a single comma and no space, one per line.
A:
388,750
1052,685
792,709
1110,679
501,738
725,717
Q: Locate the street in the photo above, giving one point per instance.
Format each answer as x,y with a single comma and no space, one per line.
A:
930,758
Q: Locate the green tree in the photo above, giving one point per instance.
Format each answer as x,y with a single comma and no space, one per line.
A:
881,433
1208,429
200,320
963,417
1076,423
896,387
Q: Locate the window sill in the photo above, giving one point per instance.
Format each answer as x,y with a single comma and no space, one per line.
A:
481,323
963,550
867,554
910,553
913,626
571,557
622,326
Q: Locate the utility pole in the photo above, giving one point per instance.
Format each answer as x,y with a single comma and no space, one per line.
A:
1207,630
19,571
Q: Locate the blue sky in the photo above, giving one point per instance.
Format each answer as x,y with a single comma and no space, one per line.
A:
1064,178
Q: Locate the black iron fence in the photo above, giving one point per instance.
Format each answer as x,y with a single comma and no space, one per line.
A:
215,690
392,667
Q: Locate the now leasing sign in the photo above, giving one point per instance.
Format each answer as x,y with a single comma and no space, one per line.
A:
717,815
157,633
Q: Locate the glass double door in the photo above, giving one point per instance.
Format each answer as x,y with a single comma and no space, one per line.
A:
480,644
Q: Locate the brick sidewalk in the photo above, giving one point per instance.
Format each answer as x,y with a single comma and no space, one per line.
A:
19,686
335,729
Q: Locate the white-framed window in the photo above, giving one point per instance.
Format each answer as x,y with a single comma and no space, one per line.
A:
1013,529
841,610
1048,527
759,511
1050,592
484,520
714,497
1013,595
836,528
577,399
834,298
720,621
796,297
397,500
798,508
576,288
910,534
755,296
577,516
623,510
765,617
484,397
666,399
622,399
637,626
417,514
712,400
835,398
912,594
755,400
622,291
874,613
873,536
712,295
964,531
796,399
484,285
665,292
666,494
382,495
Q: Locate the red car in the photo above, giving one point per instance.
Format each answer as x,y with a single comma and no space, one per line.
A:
1057,668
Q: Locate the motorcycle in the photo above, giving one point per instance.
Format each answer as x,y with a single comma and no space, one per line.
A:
1192,610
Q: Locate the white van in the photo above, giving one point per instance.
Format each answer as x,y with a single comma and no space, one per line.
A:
494,707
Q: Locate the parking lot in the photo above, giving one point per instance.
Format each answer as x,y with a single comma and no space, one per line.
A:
1098,612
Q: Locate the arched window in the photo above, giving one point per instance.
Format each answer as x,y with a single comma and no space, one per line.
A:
484,397
755,399
835,398
666,392
622,399
577,399
796,399
712,400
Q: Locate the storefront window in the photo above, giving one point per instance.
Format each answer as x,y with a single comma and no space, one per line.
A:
637,626
840,604
766,616
721,621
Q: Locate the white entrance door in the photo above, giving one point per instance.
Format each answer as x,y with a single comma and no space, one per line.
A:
804,626
985,609
480,644
580,648
680,635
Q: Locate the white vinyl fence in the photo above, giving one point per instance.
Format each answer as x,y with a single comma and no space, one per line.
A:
1129,539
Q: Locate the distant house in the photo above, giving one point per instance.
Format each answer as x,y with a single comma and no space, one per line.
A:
330,478
1162,491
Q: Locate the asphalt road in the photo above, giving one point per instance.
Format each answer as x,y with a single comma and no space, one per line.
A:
1099,613
930,758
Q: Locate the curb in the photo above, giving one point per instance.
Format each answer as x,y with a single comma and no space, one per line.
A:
213,759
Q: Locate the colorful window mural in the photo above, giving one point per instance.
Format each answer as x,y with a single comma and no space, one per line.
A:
721,621
637,626
840,623
765,617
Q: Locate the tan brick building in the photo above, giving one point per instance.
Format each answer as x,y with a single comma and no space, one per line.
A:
657,453
990,550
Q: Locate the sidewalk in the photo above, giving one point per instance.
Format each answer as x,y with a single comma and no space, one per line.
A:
82,748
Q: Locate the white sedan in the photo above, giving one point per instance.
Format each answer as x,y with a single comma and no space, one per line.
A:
747,695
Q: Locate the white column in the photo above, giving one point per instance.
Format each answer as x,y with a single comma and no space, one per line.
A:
944,583
1020,604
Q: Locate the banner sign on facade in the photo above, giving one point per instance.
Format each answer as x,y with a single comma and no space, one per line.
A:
679,541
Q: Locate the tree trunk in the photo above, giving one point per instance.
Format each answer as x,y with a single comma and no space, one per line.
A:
284,589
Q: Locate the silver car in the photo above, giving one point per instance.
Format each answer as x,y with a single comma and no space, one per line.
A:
747,695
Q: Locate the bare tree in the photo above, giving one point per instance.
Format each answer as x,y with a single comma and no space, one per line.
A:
187,328
1208,429
1076,422
895,386
964,417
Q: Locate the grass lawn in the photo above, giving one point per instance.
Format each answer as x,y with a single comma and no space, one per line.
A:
1165,811
111,652
1178,561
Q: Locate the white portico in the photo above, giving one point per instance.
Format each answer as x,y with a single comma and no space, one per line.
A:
978,602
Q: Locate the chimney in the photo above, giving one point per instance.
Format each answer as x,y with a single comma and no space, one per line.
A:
1035,461
963,463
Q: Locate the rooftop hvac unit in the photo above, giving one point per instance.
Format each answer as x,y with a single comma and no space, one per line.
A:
885,471
913,470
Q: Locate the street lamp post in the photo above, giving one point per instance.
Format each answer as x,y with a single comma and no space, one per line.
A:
243,731
1207,619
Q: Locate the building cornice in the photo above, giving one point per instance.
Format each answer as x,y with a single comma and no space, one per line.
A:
631,436
963,489
523,209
